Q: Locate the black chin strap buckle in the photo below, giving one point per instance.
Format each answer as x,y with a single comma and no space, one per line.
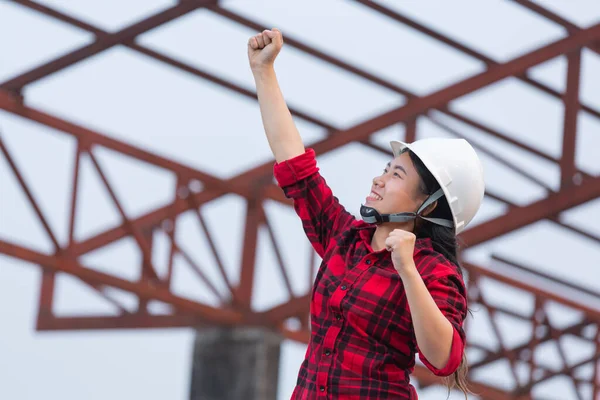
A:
372,216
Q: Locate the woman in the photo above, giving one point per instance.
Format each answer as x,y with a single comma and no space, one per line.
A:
390,285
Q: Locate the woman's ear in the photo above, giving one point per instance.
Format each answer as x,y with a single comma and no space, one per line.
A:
429,209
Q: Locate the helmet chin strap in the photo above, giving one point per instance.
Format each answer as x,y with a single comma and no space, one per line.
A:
372,216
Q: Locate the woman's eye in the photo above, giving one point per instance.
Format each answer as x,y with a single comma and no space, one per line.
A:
396,174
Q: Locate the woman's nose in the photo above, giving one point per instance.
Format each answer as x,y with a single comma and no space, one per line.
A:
377,181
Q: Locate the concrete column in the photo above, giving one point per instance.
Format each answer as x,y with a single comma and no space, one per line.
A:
235,363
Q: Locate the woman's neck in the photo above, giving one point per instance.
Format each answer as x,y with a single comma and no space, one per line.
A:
383,231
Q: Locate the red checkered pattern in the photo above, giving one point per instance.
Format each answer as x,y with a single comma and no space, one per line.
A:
362,343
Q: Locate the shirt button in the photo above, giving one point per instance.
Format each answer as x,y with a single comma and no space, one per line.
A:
327,352
368,262
338,316
343,287
322,388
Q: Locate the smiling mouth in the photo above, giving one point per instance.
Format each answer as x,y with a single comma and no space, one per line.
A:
374,197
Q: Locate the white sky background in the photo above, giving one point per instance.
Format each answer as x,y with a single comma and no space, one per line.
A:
130,97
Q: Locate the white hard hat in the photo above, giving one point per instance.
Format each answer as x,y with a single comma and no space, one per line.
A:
457,168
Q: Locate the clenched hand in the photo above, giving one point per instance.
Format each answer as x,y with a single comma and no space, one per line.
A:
401,244
264,48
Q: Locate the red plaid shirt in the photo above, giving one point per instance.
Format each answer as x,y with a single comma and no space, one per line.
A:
362,343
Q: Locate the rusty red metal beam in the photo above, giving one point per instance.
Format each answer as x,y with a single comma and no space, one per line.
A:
567,370
59,16
10,103
198,272
102,42
397,16
249,23
506,354
596,370
147,266
30,196
166,59
146,273
436,100
272,317
295,43
47,283
544,276
222,82
493,155
575,329
571,104
74,191
300,305
295,307
153,218
145,290
212,245
551,334
280,262
483,391
133,321
410,130
506,138
269,191
571,27
442,97
280,313
254,218
522,216
169,226
555,219
548,14
562,355
592,313
292,312
46,296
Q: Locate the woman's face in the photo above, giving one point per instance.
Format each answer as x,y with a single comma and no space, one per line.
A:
397,188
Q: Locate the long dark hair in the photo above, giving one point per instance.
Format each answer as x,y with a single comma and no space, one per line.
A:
444,241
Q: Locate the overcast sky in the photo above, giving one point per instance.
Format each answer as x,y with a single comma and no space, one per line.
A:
130,97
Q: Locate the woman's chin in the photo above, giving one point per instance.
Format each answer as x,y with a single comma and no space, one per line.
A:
372,204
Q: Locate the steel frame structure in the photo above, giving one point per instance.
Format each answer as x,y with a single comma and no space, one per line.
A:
255,185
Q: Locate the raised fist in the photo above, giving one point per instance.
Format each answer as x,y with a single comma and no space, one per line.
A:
264,48
401,244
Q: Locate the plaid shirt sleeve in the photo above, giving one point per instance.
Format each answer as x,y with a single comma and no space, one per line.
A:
323,217
449,294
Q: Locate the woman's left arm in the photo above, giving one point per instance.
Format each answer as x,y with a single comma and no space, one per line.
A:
437,308
437,311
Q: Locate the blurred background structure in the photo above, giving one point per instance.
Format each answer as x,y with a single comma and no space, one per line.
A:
134,174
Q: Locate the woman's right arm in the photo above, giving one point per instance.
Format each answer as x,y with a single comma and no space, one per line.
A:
283,136
295,169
